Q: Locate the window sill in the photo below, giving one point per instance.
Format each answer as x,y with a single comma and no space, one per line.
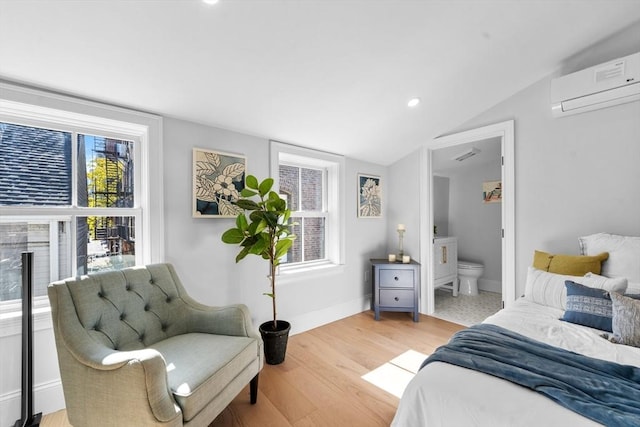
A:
11,321
291,275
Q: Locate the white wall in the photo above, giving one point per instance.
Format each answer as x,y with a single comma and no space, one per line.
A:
403,198
207,268
206,265
575,175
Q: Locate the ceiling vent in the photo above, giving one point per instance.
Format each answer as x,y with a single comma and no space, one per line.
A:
466,154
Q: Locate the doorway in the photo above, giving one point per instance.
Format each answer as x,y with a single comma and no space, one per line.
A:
501,134
467,230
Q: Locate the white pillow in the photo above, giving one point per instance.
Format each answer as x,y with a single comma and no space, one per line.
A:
549,289
611,284
624,256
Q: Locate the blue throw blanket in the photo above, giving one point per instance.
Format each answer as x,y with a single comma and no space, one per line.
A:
606,392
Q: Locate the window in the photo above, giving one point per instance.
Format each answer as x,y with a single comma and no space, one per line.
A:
310,182
304,188
74,190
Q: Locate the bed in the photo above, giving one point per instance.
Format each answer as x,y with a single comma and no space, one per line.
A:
554,310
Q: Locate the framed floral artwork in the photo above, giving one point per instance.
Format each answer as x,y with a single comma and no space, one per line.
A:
218,179
369,196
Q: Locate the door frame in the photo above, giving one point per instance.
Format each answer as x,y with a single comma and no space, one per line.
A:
505,131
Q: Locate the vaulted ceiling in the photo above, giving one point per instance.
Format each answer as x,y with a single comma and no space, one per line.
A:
330,74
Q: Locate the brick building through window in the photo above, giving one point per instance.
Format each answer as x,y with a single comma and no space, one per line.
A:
303,188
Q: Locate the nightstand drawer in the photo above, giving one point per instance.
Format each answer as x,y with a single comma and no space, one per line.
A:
390,278
396,298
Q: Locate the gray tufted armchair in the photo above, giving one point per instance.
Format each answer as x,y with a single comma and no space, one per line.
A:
135,350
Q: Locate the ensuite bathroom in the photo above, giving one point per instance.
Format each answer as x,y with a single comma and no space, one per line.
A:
467,215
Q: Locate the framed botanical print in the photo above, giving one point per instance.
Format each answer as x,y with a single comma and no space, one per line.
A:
218,178
369,196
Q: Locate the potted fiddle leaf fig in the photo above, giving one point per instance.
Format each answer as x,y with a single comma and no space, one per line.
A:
267,233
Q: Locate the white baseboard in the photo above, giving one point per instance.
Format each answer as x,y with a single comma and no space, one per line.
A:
330,314
47,398
490,285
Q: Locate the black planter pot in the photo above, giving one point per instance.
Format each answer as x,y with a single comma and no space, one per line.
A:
275,341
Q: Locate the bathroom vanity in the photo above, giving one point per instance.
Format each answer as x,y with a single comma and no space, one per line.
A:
445,263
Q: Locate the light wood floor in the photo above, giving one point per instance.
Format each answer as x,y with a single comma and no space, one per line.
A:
320,384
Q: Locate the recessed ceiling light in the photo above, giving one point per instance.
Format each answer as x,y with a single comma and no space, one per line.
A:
413,102
210,1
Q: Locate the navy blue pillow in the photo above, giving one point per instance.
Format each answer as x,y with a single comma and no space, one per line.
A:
588,306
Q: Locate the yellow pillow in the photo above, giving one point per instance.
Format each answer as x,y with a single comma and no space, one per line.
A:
574,265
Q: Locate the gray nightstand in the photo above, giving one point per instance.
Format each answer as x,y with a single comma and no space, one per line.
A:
395,287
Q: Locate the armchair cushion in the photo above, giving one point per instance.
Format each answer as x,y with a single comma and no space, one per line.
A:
194,379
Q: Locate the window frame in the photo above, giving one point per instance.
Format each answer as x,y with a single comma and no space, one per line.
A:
37,108
333,200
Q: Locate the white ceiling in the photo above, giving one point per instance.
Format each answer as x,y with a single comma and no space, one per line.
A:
330,74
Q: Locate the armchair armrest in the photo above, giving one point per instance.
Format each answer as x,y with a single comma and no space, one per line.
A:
227,320
141,371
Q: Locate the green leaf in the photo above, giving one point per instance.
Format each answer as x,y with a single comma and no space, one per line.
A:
273,196
285,233
251,182
248,205
261,226
253,227
233,236
245,192
241,222
271,218
265,186
258,247
269,294
249,241
282,247
243,253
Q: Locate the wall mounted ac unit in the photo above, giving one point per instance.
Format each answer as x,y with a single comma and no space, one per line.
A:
611,83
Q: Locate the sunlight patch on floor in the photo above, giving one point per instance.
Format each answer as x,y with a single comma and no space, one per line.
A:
394,375
410,360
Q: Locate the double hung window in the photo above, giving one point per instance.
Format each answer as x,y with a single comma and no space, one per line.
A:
310,182
70,192
305,191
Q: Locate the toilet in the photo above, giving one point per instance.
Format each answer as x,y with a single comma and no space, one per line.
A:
468,274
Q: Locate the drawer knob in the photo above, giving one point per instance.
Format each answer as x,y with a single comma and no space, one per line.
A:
396,278
397,299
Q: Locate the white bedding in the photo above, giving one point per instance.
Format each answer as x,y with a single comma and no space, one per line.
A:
444,395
